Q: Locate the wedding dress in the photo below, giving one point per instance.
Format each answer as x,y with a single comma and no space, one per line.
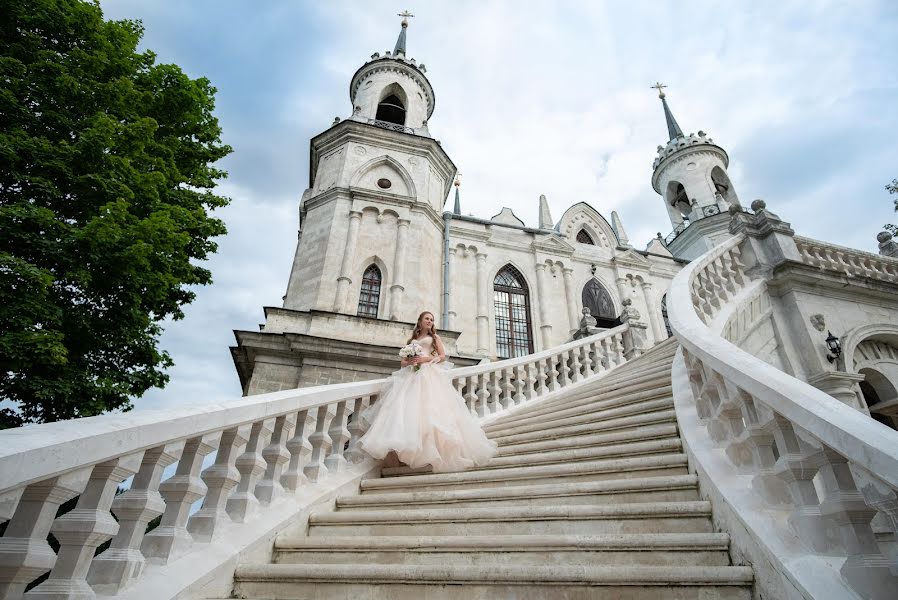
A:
425,421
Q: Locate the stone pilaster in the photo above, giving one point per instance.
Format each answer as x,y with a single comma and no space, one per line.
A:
571,298
483,292
543,293
398,287
344,280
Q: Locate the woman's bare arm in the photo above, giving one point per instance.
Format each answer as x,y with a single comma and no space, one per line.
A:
441,352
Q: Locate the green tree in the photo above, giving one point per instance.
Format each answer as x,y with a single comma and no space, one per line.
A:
892,188
107,166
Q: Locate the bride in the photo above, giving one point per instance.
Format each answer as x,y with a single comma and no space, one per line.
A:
420,417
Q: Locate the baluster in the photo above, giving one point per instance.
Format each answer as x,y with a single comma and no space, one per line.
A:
759,445
180,491
618,342
353,453
243,504
551,364
576,365
497,390
587,359
508,387
220,478
520,382
483,395
471,395
564,379
300,449
532,373
24,552
796,469
276,456
543,376
316,470
883,498
83,528
339,435
123,561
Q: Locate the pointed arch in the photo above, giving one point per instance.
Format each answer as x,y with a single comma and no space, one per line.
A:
598,300
392,106
723,186
511,305
367,175
583,216
369,293
583,237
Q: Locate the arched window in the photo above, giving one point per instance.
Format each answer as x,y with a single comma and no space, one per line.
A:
584,238
391,110
511,301
369,295
597,299
664,315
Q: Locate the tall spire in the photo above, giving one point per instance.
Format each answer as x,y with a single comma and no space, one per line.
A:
400,42
672,127
545,217
618,226
457,209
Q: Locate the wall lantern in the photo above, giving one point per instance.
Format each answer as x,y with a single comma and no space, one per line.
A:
834,347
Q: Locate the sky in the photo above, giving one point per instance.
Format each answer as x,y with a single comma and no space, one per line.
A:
531,98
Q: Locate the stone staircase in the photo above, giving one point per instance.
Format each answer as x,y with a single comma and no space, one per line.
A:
588,497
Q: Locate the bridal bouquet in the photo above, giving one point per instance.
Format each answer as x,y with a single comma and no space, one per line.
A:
412,350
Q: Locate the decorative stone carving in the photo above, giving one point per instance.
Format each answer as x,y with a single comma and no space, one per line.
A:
818,322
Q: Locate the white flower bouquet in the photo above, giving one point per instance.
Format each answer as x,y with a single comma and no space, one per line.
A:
412,350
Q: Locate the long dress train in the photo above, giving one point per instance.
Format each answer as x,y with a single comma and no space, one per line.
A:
425,421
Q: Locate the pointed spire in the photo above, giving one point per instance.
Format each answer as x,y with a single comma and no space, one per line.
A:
673,129
545,217
618,226
457,209
400,42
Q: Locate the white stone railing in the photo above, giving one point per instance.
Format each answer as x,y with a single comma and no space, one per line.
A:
796,449
266,447
847,260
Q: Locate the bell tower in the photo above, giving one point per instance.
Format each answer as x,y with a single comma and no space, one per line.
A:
370,239
690,174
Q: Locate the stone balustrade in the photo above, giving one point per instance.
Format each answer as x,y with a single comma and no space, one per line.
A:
782,449
848,261
259,448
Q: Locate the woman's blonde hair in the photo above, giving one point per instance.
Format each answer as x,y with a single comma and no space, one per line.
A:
419,328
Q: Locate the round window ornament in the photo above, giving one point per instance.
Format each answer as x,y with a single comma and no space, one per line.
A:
384,183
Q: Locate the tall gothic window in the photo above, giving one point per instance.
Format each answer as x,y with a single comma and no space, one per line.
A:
369,296
584,238
511,299
597,299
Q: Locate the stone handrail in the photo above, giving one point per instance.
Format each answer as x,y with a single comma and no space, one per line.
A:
831,466
847,260
265,447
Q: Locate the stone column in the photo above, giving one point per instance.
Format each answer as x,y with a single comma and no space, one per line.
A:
622,289
543,292
654,318
450,323
343,281
571,298
398,286
483,292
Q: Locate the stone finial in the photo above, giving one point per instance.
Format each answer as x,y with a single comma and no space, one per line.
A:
336,120
887,246
735,207
618,226
545,217
588,320
758,205
629,313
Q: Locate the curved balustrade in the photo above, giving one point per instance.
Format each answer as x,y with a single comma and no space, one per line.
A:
847,260
829,466
266,447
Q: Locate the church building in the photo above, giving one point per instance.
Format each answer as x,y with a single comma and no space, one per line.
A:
377,245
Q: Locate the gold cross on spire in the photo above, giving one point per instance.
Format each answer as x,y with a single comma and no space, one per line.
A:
405,15
660,87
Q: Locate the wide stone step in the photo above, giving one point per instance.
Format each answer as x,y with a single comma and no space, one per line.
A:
656,432
580,408
614,491
642,517
566,455
594,470
659,549
629,422
523,582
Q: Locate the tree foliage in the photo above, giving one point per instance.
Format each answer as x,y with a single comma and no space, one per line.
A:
107,171
892,188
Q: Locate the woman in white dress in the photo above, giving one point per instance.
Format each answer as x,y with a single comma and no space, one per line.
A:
421,418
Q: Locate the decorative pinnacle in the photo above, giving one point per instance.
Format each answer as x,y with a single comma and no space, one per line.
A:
400,42
673,128
660,87
457,209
